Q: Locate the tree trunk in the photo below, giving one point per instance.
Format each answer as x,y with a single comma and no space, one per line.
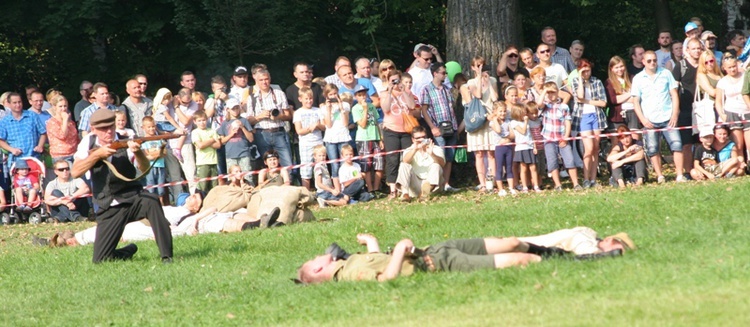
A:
736,12
664,17
481,27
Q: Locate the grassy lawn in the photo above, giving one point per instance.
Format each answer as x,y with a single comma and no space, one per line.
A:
691,268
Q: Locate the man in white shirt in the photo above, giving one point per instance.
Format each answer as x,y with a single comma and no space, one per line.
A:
421,169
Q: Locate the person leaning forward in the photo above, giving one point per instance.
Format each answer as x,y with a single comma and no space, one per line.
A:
118,201
452,255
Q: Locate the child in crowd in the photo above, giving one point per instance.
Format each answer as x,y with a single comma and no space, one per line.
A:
237,136
166,122
556,123
511,98
503,151
524,153
273,174
351,177
368,138
706,163
235,179
121,120
308,122
535,124
327,194
336,119
153,151
24,184
206,141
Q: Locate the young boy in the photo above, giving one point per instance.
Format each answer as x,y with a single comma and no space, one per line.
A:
24,185
237,137
535,124
351,177
308,122
556,122
706,163
206,141
368,138
327,195
153,151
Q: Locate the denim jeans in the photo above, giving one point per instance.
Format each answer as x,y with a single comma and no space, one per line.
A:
278,141
333,151
671,136
442,142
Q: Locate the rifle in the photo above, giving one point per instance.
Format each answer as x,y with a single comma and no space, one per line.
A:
123,143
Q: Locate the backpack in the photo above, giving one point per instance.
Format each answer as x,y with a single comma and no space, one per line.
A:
475,115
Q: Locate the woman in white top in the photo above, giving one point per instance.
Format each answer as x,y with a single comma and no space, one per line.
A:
336,119
483,87
730,104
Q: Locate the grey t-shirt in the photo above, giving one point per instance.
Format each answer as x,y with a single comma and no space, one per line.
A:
67,188
238,146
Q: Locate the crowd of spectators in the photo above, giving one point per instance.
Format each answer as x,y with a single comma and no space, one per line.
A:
373,128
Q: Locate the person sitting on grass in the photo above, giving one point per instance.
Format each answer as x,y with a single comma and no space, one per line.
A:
64,195
351,178
727,149
421,168
326,193
452,255
706,163
627,158
273,175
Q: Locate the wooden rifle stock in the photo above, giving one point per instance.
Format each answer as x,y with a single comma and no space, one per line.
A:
123,143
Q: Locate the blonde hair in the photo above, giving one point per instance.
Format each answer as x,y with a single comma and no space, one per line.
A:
347,97
382,64
498,105
54,101
613,80
319,148
703,69
305,91
517,111
531,108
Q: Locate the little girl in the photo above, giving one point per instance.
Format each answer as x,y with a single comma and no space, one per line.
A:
524,153
273,174
121,120
535,124
503,152
336,119
166,122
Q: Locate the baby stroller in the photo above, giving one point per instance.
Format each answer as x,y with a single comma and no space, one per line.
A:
36,212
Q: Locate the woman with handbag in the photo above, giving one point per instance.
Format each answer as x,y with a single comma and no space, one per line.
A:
481,89
400,118
703,113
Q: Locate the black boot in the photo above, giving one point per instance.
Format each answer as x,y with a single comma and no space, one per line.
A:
545,252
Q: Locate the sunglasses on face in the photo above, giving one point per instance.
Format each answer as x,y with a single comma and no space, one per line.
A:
544,51
387,68
427,59
63,169
513,55
710,61
650,61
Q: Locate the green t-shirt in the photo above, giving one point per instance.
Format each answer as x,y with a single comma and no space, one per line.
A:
746,83
207,155
371,133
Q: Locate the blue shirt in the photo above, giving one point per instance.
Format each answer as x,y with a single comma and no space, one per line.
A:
22,133
364,82
656,101
83,124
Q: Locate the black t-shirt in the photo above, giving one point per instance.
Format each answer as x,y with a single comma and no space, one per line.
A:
292,95
705,156
687,88
633,70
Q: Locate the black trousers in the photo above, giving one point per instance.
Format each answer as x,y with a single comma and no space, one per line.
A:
394,141
111,223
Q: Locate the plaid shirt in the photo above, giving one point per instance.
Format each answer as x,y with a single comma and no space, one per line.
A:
597,92
553,121
441,104
276,99
562,57
84,125
22,133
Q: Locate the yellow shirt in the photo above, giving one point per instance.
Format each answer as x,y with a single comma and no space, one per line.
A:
367,266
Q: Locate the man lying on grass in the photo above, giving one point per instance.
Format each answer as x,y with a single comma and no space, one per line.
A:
184,220
584,242
452,255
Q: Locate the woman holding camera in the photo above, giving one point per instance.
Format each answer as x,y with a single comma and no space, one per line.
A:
484,88
398,108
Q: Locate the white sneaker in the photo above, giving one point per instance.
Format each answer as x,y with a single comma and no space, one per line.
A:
681,179
661,179
502,193
322,202
451,189
513,192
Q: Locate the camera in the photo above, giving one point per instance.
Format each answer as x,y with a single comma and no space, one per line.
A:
334,100
275,112
396,81
425,141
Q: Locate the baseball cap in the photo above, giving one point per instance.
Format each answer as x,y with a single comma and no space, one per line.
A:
690,26
240,70
232,102
706,132
359,88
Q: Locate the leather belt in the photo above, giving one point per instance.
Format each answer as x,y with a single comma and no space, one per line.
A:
270,130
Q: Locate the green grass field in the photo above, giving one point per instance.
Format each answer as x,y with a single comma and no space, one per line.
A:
691,268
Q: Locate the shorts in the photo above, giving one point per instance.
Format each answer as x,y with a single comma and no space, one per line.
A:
328,196
374,163
713,169
589,122
445,143
738,121
671,136
306,157
165,126
552,150
461,255
525,156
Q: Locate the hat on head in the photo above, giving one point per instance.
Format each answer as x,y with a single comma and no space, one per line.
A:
419,45
240,70
690,26
59,239
102,118
360,88
706,132
21,164
707,35
181,199
232,102
625,240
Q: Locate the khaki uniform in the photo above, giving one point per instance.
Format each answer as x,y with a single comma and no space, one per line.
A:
292,201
